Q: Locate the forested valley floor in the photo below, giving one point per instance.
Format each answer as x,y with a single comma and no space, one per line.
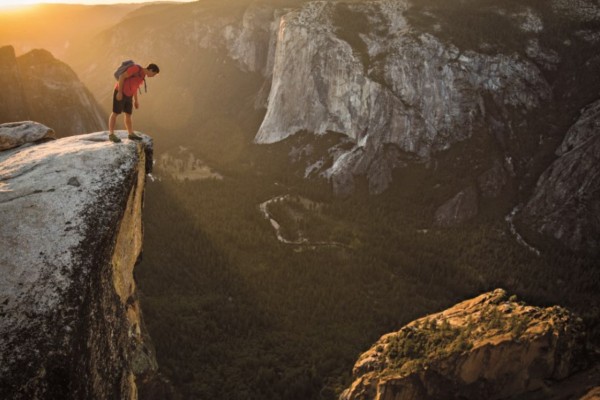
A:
236,314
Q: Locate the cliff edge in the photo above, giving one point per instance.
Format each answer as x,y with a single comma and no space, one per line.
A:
70,236
489,347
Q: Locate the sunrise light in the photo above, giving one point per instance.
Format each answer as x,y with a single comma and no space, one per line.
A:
14,4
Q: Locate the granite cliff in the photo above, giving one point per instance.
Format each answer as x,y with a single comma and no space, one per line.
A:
565,205
70,237
368,73
37,86
489,347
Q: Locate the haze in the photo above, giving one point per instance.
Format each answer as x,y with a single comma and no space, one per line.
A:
16,3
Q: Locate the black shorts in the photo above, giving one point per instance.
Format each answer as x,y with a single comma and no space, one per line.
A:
124,105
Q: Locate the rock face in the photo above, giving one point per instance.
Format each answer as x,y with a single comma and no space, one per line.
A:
566,202
460,208
382,82
39,87
70,236
488,347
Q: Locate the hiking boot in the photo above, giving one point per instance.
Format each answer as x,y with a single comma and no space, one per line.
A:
114,138
133,136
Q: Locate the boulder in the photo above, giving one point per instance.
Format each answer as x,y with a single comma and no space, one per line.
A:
13,134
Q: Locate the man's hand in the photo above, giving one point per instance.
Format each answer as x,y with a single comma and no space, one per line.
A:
119,96
136,104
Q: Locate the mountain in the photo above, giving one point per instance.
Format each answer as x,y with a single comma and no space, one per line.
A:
71,235
488,347
42,88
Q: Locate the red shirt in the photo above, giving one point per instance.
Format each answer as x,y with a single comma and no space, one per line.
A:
131,84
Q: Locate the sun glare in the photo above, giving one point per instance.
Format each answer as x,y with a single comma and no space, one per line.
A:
15,4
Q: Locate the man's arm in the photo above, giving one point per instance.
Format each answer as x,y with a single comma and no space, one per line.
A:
135,99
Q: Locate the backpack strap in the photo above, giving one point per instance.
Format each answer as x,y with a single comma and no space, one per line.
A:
139,73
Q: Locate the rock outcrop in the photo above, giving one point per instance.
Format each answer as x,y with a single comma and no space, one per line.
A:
70,236
566,202
36,86
489,347
14,134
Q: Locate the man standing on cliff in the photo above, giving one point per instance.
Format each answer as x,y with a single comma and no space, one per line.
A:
125,97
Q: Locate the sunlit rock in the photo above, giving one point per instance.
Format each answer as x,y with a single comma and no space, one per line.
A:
489,347
70,236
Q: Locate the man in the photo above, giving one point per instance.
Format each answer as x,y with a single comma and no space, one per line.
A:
125,97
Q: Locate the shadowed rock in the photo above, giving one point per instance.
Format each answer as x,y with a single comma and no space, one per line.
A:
565,205
459,209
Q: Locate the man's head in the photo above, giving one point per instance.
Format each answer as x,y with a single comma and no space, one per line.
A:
152,70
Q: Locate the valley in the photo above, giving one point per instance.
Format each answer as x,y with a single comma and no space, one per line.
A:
278,323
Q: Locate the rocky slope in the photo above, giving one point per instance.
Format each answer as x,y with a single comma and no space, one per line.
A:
565,205
70,236
489,347
36,86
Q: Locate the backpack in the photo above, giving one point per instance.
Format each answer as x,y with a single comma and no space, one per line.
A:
123,67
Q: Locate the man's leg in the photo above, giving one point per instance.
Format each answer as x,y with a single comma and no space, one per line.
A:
112,121
128,123
129,126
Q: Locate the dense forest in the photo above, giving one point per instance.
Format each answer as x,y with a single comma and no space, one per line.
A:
236,314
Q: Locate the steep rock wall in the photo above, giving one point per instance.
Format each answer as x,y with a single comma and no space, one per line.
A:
565,204
70,236
384,83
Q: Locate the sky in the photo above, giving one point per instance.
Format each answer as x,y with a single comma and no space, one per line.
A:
14,3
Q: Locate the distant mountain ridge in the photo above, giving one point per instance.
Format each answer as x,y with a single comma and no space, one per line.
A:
37,86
